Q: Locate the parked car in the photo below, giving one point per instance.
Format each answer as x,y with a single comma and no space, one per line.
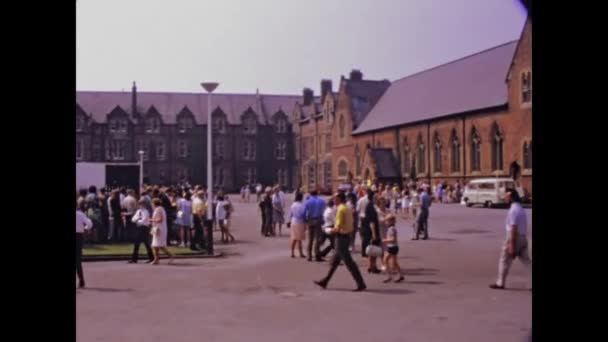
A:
488,191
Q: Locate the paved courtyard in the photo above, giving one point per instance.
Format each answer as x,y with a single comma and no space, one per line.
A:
257,292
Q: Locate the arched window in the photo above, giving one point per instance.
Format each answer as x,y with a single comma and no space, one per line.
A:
328,174
475,150
342,126
497,140
437,152
406,156
421,154
357,160
527,153
526,87
455,145
342,168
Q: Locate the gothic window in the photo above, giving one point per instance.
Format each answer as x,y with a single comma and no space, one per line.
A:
116,149
250,175
497,142
526,87
527,153
406,156
342,168
327,168
455,146
475,150
311,176
328,143
437,152
421,154
342,126
249,150
144,145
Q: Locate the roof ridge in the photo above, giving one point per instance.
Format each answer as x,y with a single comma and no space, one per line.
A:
181,93
456,60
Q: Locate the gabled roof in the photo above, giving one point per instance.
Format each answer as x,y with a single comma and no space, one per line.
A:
364,95
98,104
471,83
386,164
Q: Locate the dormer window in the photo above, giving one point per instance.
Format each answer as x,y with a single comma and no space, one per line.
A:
219,124
281,126
185,124
153,125
526,87
118,125
183,150
249,125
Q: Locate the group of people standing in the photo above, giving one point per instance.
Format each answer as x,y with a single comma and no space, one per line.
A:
272,211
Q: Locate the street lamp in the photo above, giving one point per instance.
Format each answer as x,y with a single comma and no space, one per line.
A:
209,87
141,170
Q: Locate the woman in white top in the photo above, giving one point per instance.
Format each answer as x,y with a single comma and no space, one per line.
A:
222,211
297,224
405,203
159,232
142,232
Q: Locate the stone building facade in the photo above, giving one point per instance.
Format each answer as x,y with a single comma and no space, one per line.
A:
252,135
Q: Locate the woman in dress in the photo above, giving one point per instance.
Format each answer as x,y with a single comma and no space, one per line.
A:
184,218
266,212
159,232
405,203
222,211
297,224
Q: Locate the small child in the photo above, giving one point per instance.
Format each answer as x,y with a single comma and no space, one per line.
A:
392,249
405,203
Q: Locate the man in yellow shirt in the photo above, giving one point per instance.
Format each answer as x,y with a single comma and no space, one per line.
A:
343,229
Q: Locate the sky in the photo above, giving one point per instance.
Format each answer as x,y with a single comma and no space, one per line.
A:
277,46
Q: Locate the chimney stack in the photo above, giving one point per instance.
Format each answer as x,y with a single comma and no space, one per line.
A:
325,89
134,99
356,75
307,95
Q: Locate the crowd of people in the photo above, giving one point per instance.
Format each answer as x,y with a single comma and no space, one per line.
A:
161,216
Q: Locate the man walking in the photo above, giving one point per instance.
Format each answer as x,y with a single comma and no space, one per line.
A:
422,221
343,228
516,242
313,214
130,205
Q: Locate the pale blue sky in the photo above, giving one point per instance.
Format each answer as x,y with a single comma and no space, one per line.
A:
278,46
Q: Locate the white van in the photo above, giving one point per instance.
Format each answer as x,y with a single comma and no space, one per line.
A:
488,191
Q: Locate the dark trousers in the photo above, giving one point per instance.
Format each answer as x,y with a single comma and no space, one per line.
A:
79,258
422,223
130,229
118,229
314,236
343,254
198,232
326,250
366,238
142,235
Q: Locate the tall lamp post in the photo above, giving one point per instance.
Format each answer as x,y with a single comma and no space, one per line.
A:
209,87
141,171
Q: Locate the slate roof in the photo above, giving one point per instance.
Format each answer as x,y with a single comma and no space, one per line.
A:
364,95
98,104
471,83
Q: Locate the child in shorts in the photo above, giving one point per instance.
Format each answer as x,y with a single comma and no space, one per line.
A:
392,249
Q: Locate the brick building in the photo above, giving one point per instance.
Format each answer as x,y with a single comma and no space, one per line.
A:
252,135
466,119
323,135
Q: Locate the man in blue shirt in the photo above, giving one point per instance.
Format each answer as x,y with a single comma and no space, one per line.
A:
422,221
313,214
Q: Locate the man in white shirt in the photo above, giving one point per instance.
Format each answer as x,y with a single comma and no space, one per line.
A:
82,223
516,242
141,218
130,205
329,221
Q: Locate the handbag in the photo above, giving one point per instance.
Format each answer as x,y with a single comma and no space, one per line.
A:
374,251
